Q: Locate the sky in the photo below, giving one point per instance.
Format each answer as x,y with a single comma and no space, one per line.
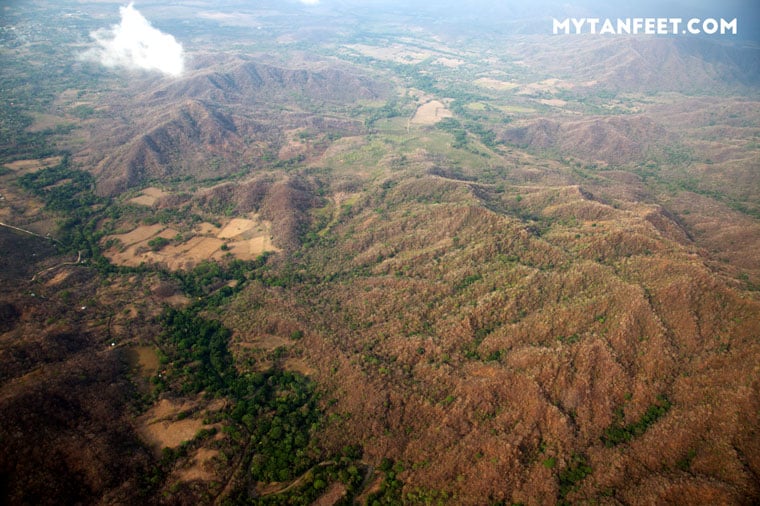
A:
134,42
534,16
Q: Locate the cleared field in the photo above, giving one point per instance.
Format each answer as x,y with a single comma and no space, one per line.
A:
200,468
140,234
516,109
554,102
26,166
395,52
495,84
47,121
250,249
148,196
552,85
159,426
144,360
299,365
294,146
450,62
190,253
206,228
59,278
243,238
431,113
237,227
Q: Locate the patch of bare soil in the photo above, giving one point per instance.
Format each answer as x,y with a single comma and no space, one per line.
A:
26,166
206,228
167,425
551,85
236,228
300,366
332,495
170,434
265,489
450,62
46,122
554,102
372,487
59,278
166,408
140,234
200,468
149,196
495,84
431,113
177,300
143,360
189,253
243,238
143,363
394,52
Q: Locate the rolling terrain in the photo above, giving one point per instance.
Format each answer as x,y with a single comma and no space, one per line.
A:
400,264
215,124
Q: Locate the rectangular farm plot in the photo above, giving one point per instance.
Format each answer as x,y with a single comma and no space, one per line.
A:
243,238
431,113
148,197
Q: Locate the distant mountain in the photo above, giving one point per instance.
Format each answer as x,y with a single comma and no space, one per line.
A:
644,64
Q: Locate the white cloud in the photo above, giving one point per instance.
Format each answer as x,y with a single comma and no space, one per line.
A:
135,44
309,2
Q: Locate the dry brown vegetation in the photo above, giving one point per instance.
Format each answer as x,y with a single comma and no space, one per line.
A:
519,349
611,140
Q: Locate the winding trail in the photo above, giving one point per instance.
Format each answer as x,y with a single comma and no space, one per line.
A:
298,481
286,487
12,227
48,238
76,262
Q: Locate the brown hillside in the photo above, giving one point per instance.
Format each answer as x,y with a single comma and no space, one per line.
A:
258,82
613,140
490,355
215,123
187,142
284,201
